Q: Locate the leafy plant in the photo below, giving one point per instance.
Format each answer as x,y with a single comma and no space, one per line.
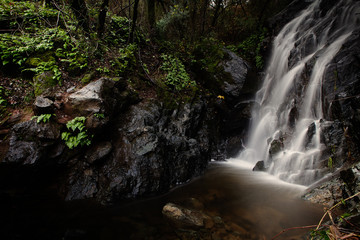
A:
321,234
126,59
77,134
3,101
250,48
174,23
102,70
208,53
25,15
176,75
48,66
71,54
99,115
330,163
118,32
43,118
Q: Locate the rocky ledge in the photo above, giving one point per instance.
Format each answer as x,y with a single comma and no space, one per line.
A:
104,142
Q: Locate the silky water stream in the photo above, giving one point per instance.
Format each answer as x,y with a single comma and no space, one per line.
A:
243,204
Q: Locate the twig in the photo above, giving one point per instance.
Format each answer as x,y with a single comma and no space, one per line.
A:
328,211
322,219
142,65
293,228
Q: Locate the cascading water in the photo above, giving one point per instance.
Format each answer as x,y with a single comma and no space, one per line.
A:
285,127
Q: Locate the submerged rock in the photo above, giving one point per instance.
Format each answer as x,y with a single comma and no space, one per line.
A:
183,217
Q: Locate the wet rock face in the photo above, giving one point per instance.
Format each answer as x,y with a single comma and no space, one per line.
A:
280,20
238,70
239,87
332,191
259,166
153,150
31,141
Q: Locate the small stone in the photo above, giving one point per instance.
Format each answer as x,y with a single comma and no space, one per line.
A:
71,89
43,105
259,166
98,152
218,220
275,147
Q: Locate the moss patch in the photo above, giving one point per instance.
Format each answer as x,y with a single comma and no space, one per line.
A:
43,82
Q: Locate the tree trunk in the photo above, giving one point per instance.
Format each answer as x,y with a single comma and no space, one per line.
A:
205,6
135,14
216,13
261,15
102,17
242,8
151,12
80,10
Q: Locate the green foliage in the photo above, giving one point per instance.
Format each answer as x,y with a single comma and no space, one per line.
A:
48,66
17,48
99,115
320,234
208,53
43,118
118,31
25,15
28,50
102,70
125,59
330,163
174,23
77,134
3,102
71,54
250,48
3,94
343,216
176,75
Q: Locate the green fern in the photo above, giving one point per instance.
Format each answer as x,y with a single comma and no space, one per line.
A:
78,134
43,118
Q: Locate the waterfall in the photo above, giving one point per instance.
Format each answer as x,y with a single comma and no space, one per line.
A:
285,125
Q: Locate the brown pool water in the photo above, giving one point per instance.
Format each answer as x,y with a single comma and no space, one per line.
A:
244,205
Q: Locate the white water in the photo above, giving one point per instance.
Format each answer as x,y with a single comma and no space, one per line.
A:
310,40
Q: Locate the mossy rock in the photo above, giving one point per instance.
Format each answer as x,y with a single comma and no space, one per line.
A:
35,60
88,77
43,82
77,67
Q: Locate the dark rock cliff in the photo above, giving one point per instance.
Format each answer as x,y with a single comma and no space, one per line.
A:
139,147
